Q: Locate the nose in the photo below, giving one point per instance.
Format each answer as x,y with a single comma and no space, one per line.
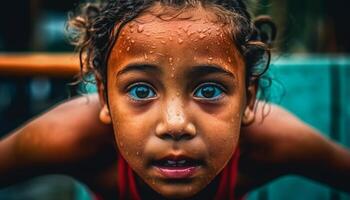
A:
175,123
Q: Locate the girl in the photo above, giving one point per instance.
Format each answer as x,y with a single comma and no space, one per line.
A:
160,99
176,112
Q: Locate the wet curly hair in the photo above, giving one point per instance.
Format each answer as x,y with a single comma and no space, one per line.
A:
93,31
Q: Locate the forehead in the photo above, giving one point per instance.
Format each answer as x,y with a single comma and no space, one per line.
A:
190,34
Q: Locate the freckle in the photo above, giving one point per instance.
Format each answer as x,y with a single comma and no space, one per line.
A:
140,29
120,51
177,93
201,36
180,41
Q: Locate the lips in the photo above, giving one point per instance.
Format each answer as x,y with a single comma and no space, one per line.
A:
180,167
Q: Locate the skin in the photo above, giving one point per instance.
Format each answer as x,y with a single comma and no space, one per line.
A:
82,147
173,121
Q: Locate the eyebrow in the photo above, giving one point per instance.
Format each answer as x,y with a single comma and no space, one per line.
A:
140,67
203,70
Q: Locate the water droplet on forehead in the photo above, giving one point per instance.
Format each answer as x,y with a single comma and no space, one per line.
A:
128,49
133,41
190,33
171,59
153,47
146,57
171,38
140,29
163,42
131,30
229,59
201,36
180,41
151,52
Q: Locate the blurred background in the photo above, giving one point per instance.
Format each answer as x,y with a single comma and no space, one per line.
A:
310,69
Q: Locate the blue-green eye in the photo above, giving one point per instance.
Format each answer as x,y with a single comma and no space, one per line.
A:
141,92
208,91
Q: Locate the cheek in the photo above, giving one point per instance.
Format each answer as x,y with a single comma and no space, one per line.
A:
222,137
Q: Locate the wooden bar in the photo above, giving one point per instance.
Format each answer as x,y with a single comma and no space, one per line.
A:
39,64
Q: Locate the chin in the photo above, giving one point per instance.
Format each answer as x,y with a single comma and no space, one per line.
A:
180,191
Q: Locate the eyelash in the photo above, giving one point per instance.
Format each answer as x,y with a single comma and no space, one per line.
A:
153,90
210,83
143,84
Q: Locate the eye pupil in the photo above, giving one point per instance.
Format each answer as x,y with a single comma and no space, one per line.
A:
142,92
208,92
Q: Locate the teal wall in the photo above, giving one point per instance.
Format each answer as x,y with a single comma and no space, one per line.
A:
317,90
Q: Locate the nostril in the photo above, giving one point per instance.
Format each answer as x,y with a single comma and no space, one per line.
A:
176,136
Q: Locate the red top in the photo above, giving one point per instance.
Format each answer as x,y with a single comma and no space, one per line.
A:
127,186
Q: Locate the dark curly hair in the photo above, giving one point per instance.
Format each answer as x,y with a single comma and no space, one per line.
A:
93,31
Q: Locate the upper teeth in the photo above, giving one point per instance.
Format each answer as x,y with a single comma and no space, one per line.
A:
172,162
182,161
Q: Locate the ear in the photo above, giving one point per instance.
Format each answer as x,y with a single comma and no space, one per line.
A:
249,112
105,116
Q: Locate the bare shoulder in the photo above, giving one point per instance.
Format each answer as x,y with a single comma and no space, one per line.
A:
282,144
270,145
276,136
70,128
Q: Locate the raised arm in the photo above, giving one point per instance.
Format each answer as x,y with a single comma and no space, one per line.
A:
282,144
68,139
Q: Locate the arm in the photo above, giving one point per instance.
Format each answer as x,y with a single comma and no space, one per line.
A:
281,144
68,139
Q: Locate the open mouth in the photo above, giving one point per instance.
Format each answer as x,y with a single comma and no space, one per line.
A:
177,168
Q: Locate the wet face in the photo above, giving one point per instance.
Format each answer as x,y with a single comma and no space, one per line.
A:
177,94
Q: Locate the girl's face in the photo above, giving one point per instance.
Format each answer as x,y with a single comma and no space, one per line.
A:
176,94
